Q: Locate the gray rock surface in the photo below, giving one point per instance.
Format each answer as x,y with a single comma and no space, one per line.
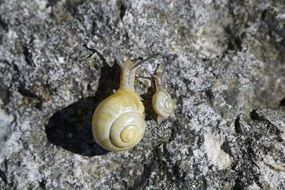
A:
227,78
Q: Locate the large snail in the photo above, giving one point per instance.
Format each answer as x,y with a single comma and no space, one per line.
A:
118,122
162,102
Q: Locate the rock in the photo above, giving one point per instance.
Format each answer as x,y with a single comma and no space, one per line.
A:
226,76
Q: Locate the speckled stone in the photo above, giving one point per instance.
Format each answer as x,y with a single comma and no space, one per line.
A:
226,74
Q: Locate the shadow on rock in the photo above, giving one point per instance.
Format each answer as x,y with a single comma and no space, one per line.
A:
147,101
70,127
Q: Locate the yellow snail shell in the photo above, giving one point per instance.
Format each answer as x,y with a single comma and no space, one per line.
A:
118,121
162,104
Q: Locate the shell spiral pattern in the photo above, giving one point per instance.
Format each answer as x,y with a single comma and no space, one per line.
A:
162,104
118,122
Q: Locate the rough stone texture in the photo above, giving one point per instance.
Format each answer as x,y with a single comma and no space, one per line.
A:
227,78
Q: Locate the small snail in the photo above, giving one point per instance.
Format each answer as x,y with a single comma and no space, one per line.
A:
162,102
118,122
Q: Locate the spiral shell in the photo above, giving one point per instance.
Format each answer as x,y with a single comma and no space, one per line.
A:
118,122
162,104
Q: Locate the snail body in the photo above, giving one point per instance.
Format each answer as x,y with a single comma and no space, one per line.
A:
118,122
162,103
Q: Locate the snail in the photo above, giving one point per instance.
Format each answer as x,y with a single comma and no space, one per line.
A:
118,122
162,103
